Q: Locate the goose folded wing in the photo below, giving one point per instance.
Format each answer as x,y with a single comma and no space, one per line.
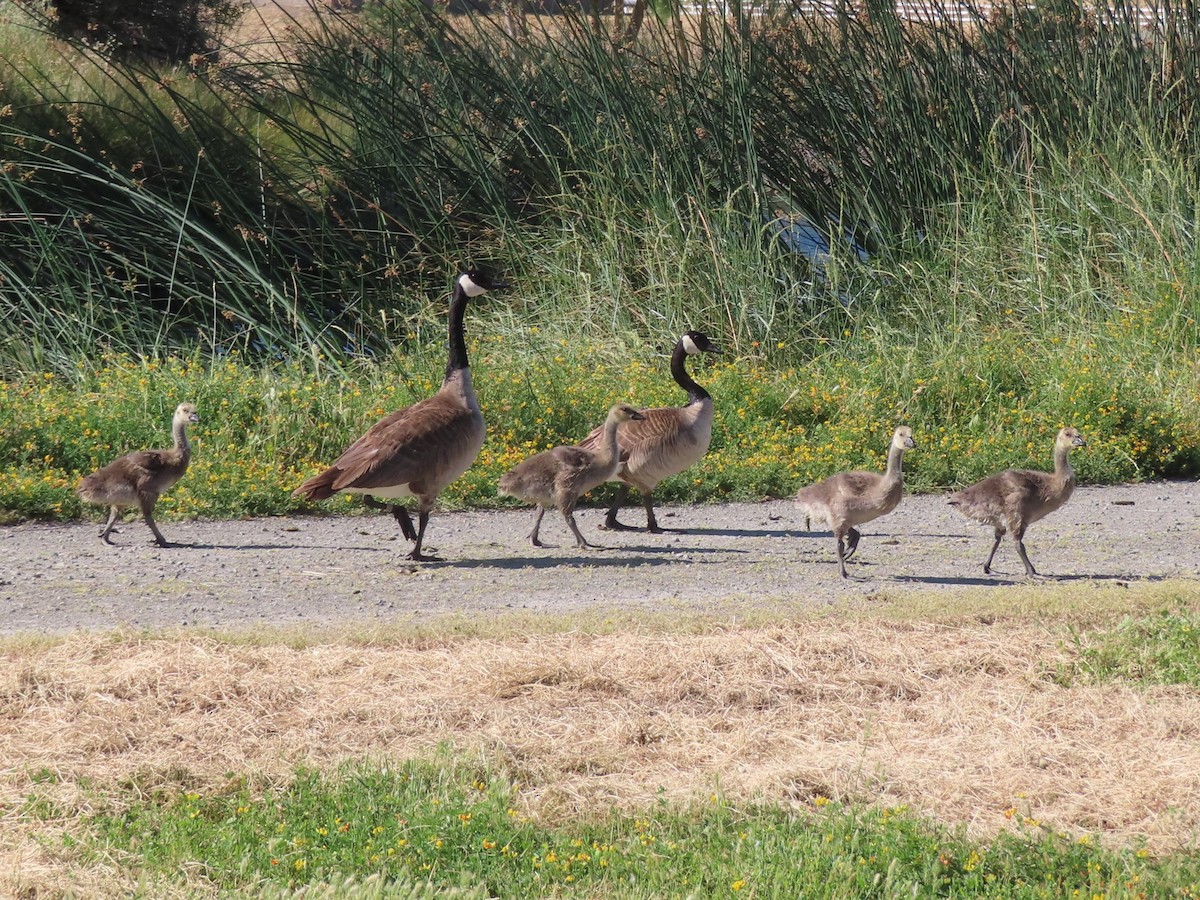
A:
146,466
404,446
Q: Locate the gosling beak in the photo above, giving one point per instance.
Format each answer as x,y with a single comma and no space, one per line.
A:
1078,441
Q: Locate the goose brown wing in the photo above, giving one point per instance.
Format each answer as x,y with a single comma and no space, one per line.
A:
409,444
658,426
148,467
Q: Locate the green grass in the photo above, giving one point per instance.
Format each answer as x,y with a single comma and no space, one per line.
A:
264,429
1163,649
457,824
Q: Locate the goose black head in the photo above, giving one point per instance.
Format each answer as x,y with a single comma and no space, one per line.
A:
475,282
698,342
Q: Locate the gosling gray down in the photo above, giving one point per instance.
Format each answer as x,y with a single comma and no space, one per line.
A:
560,476
420,449
140,478
854,498
667,440
1012,500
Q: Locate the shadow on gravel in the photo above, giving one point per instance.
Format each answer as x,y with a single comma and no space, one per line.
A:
549,562
342,548
1117,578
674,551
747,532
981,581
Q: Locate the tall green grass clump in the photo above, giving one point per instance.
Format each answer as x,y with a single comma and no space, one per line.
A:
459,826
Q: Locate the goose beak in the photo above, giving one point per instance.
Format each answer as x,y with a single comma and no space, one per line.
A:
1078,441
194,417
637,417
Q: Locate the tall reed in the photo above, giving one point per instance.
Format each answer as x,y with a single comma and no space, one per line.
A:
315,202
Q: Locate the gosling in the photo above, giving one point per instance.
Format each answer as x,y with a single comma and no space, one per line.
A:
140,478
1012,500
560,476
854,498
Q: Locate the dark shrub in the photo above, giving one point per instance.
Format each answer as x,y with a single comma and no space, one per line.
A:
171,30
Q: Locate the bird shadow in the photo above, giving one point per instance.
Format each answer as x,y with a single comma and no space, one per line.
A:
342,548
960,580
747,532
648,548
1116,578
550,562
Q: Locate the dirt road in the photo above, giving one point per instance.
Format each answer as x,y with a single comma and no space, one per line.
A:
726,559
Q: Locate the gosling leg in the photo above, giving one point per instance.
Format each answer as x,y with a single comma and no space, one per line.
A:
855,536
147,505
537,524
580,542
987,566
1019,540
114,516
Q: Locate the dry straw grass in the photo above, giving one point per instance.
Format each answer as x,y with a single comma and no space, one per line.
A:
958,721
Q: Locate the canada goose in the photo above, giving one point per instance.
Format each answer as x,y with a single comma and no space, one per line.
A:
666,441
1012,500
854,498
139,478
560,476
418,450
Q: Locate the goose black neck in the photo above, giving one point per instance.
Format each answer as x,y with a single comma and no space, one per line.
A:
682,378
458,345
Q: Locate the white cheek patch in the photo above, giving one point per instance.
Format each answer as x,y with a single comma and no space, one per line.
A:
689,346
470,288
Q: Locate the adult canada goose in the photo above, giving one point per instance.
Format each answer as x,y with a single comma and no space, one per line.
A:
560,476
139,478
855,498
667,440
418,450
1012,500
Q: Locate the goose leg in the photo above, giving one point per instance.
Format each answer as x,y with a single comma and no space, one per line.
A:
537,523
852,545
147,506
610,519
841,555
400,514
651,522
114,516
987,566
422,521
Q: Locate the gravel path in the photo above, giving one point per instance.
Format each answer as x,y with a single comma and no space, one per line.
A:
727,559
